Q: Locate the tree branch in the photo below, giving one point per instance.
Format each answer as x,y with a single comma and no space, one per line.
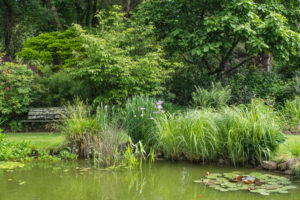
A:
240,64
225,58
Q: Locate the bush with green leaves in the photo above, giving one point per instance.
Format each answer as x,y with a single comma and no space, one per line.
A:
258,84
58,88
17,87
14,151
59,49
237,134
216,97
123,59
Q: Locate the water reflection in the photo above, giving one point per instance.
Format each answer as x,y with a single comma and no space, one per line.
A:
80,181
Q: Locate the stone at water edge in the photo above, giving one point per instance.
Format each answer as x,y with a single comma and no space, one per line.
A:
291,163
289,172
282,166
269,165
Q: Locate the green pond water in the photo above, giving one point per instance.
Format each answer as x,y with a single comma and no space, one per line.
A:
163,181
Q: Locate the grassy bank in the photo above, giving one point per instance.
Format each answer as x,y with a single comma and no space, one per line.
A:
289,149
44,141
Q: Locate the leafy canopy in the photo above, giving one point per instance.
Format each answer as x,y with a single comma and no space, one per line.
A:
208,31
60,49
123,59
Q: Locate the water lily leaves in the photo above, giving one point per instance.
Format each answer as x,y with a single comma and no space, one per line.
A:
263,184
10,165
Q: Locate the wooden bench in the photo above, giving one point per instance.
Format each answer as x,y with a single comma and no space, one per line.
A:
52,114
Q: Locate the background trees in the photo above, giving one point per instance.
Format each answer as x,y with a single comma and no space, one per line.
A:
157,48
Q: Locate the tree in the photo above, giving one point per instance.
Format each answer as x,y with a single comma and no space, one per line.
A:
222,36
123,59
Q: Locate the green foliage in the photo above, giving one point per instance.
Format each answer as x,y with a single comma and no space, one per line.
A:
258,84
139,115
237,134
14,151
67,155
192,134
59,88
216,97
291,112
206,33
96,137
61,49
17,87
263,184
295,150
250,133
123,59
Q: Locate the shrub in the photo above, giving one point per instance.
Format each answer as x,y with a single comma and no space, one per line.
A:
123,60
291,112
59,88
258,84
17,87
60,49
216,97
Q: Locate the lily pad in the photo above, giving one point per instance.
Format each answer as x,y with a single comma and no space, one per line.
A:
263,184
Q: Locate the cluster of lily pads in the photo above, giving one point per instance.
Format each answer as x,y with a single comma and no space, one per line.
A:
263,184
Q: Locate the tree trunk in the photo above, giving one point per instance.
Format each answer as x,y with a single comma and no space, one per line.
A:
94,20
55,15
8,25
127,8
78,13
88,13
266,61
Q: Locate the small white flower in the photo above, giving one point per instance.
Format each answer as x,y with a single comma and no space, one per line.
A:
134,115
142,108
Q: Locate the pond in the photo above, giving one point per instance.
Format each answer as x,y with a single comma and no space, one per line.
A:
79,181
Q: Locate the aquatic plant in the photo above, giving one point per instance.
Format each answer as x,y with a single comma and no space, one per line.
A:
249,133
100,136
193,134
138,118
10,165
263,184
237,134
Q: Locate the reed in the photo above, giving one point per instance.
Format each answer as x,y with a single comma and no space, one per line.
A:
237,134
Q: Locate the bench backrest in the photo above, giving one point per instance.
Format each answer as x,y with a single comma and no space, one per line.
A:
53,113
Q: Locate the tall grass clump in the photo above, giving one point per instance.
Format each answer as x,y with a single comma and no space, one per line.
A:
291,112
239,135
249,134
138,118
216,97
96,135
192,135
